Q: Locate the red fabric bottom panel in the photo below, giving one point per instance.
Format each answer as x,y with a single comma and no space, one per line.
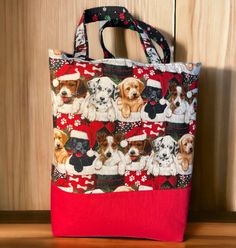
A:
154,214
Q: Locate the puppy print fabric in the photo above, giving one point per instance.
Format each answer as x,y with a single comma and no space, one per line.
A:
114,134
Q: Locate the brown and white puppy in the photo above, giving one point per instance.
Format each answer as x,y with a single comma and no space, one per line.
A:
109,152
177,111
68,96
60,153
185,156
69,89
136,153
130,99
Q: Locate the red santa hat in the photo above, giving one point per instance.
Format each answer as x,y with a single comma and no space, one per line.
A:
85,132
135,134
66,72
192,89
157,83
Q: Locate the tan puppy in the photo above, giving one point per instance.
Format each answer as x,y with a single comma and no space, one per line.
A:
60,153
130,99
186,144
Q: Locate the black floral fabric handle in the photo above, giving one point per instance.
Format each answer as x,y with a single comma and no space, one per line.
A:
152,33
113,14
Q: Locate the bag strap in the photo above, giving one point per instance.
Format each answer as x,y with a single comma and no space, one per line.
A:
109,13
151,32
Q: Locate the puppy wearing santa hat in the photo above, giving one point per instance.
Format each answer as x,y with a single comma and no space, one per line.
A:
69,90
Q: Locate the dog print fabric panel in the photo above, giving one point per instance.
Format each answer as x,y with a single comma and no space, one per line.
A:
114,134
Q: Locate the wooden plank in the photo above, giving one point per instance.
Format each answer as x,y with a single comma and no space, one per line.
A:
205,31
28,28
217,231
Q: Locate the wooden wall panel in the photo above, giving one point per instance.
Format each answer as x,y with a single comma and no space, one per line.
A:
205,31
28,28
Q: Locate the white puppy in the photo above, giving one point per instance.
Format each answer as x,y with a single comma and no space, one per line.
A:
163,160
100,105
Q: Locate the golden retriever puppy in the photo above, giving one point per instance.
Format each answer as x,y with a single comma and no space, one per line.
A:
130,99
186,145
60,153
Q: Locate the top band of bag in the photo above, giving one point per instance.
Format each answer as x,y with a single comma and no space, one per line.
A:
109,13
152,33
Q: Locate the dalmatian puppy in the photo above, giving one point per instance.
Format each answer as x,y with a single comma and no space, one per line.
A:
163,159
100,104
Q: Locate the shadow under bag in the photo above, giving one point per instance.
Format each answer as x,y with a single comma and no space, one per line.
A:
124,136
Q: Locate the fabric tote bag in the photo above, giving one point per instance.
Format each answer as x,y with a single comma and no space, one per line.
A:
124,136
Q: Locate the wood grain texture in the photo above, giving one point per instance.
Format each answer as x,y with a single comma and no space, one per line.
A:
199,235
28,28
205,31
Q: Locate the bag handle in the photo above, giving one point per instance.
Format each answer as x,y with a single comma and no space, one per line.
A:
151,32
108,13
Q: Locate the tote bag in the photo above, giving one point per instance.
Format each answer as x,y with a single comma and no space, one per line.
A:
123,137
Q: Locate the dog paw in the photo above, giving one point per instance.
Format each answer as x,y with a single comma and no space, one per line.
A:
168,113
91,116
111,116
98,165
173,172
155,171
185,166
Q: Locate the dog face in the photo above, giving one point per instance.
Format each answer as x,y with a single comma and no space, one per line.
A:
186,144
131,88
178,95
60,138
68,89
165,147
152,94
108,144
103,89
78,145
136,149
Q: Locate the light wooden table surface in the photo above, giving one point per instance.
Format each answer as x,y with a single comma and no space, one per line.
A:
39,235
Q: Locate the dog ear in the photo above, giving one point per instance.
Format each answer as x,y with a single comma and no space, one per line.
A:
141,86
119,137
121,89
58,88
146,92
180,144
115,92
81,88
156,144
176,148
64,137
92,84
147,147
101,137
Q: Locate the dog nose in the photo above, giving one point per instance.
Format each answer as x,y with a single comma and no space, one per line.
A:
164,155
64,93
191,149
132,152
177,104
108,154
58,145
102,98
134,94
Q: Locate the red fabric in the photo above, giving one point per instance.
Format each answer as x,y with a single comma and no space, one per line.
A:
137,178
69,121
155,214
